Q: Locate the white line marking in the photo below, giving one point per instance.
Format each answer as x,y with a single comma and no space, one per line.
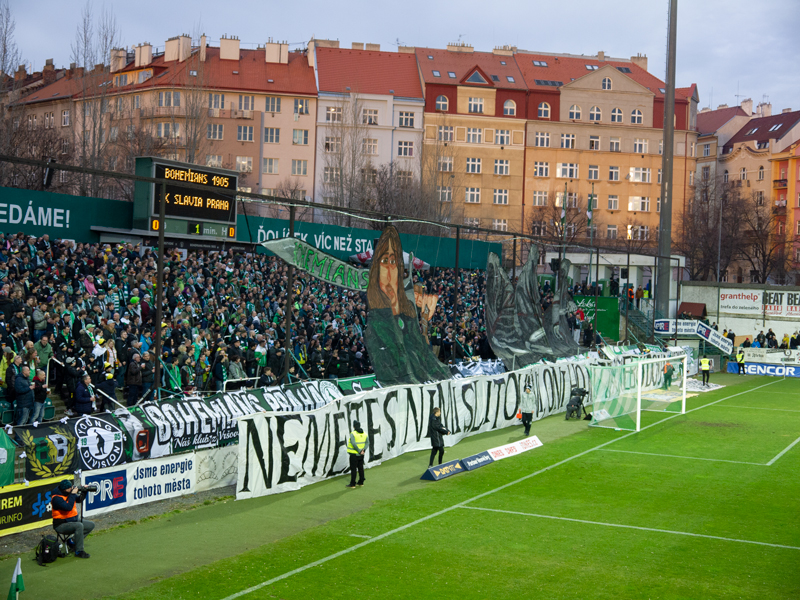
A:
736,462
700,535
366,537
377,538
785,450
758,408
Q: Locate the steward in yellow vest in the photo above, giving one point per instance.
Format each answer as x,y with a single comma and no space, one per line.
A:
705,369
740,361
357,444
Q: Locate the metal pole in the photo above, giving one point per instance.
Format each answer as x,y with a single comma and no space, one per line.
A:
563,253
514,260
591,236
159,292
596,290
719,253
456,285
287,324
627,302
665,225
653,301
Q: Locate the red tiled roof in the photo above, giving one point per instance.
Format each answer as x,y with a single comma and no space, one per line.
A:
368,72
463,63
66,87
686,92
710,121
569,68
762,126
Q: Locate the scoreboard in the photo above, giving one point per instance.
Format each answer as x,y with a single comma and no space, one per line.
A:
206,209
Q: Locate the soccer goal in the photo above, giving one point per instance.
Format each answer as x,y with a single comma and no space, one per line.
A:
621,392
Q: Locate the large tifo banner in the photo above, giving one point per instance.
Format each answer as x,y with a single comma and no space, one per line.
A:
759,303
286,451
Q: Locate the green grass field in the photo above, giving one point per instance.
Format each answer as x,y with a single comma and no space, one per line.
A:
696,506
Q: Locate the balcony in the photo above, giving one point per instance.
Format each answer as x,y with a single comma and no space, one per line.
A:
173,141
241,114
162,111
779,183
779,207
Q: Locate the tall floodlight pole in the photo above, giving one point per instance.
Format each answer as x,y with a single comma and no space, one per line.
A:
664,275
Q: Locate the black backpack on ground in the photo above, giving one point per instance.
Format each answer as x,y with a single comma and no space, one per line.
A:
48,550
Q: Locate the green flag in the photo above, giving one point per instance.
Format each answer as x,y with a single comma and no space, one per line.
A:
17,584
6,460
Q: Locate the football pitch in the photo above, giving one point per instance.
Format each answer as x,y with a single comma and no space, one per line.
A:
695,506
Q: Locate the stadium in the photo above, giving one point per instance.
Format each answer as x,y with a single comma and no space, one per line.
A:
420,349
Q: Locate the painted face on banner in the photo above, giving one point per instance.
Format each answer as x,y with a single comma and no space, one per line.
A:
388,277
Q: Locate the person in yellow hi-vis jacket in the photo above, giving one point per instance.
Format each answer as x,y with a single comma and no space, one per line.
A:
705,368
740,361
357,443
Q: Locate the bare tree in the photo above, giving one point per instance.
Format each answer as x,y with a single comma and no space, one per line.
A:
765,242
9,59
561,222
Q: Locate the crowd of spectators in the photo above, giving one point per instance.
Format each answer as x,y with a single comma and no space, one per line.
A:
92,308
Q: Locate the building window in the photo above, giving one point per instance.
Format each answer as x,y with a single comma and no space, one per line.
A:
273,104
568,140
244,164
436,73
539,228
594,142
725,177
370,146
445,133
65,118
572,199
299,167
743,174
616,116
613,203
640,146
613,144
606,83
613,173
611,232
163,130
214,131
442,103
509,107
636,117
64,148
540,198
594,172
475,105
544,110
269,166
500,224
542,140
405,148
691,177
640,174
333,114
501,196
502,137
706,149
472,195
567,170
446,164
761,173
659,176
658,204
472,222
501,167
246,102
706,174
639,204
638,232
272,135
244,133
406,119
595,114
473,165
300,137
333,144
369,116
332,175
216,101
541,169
692,149
474,135
445,193
301,106
169,99
575,112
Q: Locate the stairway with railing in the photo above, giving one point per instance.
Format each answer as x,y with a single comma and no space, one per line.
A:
640,321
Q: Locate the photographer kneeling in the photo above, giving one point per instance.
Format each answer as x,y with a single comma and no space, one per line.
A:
65,514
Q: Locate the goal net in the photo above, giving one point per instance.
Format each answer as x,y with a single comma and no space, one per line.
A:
619,393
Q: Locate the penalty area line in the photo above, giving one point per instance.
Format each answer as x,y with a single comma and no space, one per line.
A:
736,462
439,513
649,529
784,451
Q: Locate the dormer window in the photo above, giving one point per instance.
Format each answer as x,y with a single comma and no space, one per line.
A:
476,78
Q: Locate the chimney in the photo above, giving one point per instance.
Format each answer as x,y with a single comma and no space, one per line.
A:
640,60
357,45
117,59
49,72
747,106
203,48
99,68
20,74
786,110
143,55
503,50
326,43
229,48
276,52
722,106
79,72
372,47
462,47
764,109
184,47
705,110
171,49
311,53
601,56
406,49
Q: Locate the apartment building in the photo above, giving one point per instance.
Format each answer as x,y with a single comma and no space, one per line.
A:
369,118
595,123
785,167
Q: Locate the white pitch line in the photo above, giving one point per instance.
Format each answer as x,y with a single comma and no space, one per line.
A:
700,535
377,538
736,462
366,537
784,451
758,408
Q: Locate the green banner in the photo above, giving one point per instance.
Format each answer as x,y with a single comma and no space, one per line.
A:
344,242
6,460
607,314
319,264
60,216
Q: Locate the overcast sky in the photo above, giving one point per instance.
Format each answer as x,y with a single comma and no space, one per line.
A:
724,46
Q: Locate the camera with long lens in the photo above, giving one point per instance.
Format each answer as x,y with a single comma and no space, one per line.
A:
86,489
575,404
